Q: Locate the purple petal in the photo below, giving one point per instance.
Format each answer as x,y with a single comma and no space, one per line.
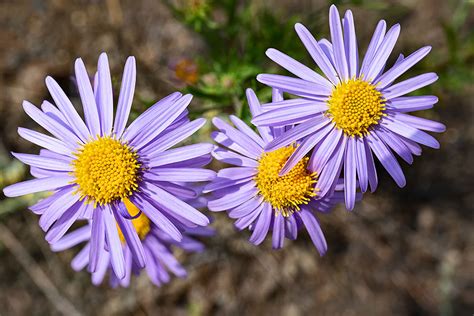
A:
299,111
54,112
399,69
393,141
89,105
238,137
371,171
409,132
102,268
330,173
81,260
244,128
225,141
72,239
174,137
324,151
221,183
262,225
350,173
131,237
232,158
195,162
304,148
387,159
317,53
256,109
180,154
296,86
144,120
127,89
97,239
291,228
66,220
40,207
245,208
278,236
234,196
114,243
326,46
409,85
157,218
414,148
125,282
50,154
277,96
361,164
45,173
171,204
304,129
45,141
412,103
161,122
51,125
245,221
36,185
58,207
314,230
167,258
297,68
383,52
181,174
180,191
338,43
67,109
374,44
350,44
152,268
43,162
420,123
105,96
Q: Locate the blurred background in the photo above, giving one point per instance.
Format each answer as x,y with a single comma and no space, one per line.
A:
400,252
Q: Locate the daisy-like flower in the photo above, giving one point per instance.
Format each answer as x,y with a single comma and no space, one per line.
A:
352,112
157,245
255,194
94,167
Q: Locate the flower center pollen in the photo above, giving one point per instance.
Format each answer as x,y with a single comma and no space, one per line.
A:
354,106
106,170
141,223
285,193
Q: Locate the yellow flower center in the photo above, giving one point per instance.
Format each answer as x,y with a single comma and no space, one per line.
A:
355,105
106,170
285,193
141,223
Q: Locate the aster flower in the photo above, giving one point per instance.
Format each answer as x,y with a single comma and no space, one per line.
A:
157,245
255,194
92,168
352,111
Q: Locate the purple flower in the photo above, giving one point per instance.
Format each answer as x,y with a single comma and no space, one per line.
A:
94,167
157,246
255,194
352,112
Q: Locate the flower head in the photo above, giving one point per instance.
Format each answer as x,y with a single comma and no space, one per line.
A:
99,169
352,111
255,193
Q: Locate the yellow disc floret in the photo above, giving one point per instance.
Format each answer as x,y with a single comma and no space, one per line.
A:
106,170
141,223
354,106
285,193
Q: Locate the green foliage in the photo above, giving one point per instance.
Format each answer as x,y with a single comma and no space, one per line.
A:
237,36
